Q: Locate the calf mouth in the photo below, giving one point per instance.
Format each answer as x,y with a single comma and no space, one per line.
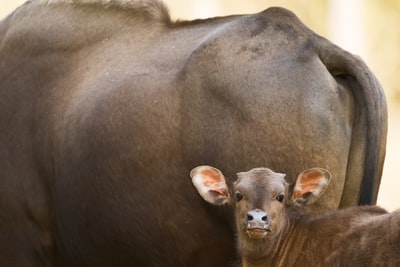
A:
257,232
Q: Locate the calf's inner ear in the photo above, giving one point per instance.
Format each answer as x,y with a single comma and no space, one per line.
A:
210,184
310,186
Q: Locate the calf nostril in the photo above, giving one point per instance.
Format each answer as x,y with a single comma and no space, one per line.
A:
256,216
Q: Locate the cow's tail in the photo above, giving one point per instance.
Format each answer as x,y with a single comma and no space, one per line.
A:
368,144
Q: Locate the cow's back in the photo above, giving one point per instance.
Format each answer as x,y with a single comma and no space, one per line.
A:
107,109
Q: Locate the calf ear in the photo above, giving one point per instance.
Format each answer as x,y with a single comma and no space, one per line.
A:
211,184
310,185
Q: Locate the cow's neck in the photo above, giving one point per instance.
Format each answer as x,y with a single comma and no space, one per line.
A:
256,263
280,251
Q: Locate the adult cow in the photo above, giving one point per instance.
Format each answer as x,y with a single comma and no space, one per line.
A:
106,105
275,229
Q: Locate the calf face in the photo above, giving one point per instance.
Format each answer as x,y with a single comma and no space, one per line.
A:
260,197
258,200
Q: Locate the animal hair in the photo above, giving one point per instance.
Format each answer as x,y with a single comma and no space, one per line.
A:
149,9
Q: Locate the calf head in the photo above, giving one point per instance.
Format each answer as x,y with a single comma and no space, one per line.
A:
260,197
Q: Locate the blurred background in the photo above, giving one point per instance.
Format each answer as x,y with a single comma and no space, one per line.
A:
367,28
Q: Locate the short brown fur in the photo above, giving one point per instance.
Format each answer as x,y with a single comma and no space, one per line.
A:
357,236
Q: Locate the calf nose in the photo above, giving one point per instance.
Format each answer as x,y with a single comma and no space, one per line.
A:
256,219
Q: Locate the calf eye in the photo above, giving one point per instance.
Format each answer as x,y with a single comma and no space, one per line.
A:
280,197
238,196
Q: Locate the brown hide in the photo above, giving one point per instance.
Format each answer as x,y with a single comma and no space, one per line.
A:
105,106
355,236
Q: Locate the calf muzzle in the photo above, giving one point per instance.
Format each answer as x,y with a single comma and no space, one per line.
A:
257,223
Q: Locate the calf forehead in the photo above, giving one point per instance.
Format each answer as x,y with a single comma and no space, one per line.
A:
261,180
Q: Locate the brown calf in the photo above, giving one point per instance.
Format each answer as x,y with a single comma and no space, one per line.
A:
275,228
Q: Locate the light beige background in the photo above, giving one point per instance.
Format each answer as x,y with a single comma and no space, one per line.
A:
369,28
